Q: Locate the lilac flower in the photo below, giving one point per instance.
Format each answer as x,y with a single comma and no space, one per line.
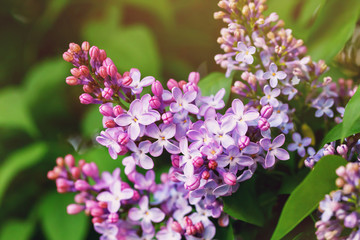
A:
146,215
245,53
115,195
299,144
274,75
212,150
182,121
274,150
226,189
215,102
107,230
208,234
206,191
290,91
238,118
183,101
109,139
139,154
188,155
200,137
167,233
136,118
145,236
107,179
137,85
162,136
324,107
329,205
235,159
270,96
220,132
286,127
145,183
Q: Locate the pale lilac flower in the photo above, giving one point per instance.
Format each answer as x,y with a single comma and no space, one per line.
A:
183,101
107,230
238,118
146,215
274,150
286,127
136,118
245,53
270,96
145,236
137,85
324,107
107,179
226,189
290,91
162,135
145,182
274,75
114,196
139,154
299,144
109,139
208,234
236,159
329,205
220,132
167,233
215,102
212,150
188,155
182,121
200,137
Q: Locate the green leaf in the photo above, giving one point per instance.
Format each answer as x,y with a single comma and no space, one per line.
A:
333,135
243,205
306,197
57,224
92,122
332,28
351,120
14,111
18,161
224,233
17,229
213,82
129,47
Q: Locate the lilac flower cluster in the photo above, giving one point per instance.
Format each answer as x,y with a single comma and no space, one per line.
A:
340,218
275,71
210,153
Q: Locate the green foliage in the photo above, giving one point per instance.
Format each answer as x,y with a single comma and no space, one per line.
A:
306,197
92,122
14,111
17,229
225,233
213,82
19,161
351,118
242,205
333,135
56,223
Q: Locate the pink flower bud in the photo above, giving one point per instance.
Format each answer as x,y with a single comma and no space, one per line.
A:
91,170
85,46
342,149
329,150
245,76
123,150
112,70
60,161
123,138
205,175
127,80
84,70
155,102
167,117
266,111
118,110
72,81
75,72
157,88
172,83
188,221
82,185
223,221
229,178
164,177
341,171
62,185
212,165
191,230
103,72
74,47
102,55
188,87
94,52
69,160
176,227
52,175
243,142
199,227
68,57
106,110
75,172
74,208
80,197
88,88
173,177
110,123
97,220
198,162
81,163
96,212
263,124
182,83
86,98
102,204
192,183
107,93
175,160
194,77
113,217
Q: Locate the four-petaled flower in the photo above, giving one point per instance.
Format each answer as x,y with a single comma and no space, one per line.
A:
270,96
137,85
299,144
274,75
245,53
162,135
324,106
274,150
183,101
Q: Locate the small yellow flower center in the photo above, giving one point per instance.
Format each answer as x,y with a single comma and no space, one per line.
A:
162,138
274,74
299,144
135,119
231,158
268,96
247,52
213,152
270,149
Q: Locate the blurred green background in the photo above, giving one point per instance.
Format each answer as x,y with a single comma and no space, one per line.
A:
41,117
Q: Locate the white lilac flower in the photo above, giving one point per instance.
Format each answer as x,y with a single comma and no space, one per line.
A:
245,53
274,75
270,96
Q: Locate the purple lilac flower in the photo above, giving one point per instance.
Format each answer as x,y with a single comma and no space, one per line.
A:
299,144
183,101
139,154
238,118
114,196
167,233
136,118
235,159
107,179
274,75
200,137
108,231
109,139
137,85
329,205
188,155
270,96
162,135
220,132
290,91
145,182
274,150
146,215
215,102
245,53
324,107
